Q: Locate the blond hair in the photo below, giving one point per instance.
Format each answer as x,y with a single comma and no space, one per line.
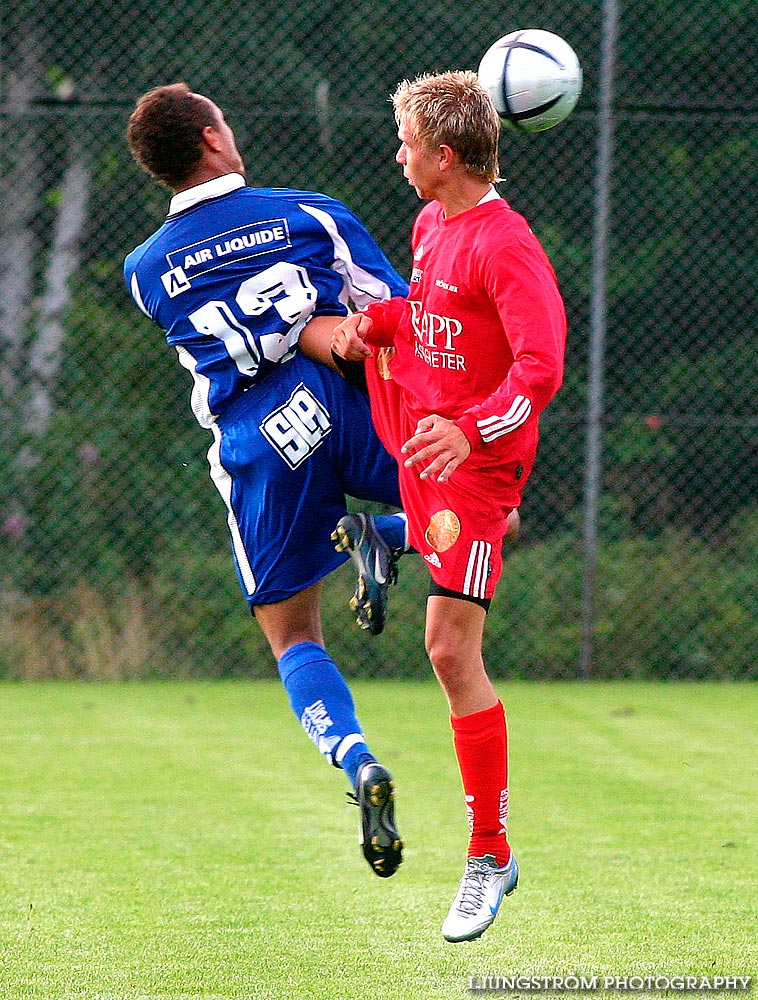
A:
452,109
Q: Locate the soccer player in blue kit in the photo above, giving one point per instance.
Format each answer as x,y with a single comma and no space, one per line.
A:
243,282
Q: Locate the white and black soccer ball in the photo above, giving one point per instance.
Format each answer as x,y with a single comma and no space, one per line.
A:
533,77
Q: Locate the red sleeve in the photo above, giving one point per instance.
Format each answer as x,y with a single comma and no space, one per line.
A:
386,316
523,287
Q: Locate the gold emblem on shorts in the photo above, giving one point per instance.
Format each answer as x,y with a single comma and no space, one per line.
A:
443,531
383,358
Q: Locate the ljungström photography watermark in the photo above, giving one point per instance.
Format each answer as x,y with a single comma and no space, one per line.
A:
612,984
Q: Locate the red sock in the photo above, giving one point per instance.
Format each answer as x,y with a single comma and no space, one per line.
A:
481,745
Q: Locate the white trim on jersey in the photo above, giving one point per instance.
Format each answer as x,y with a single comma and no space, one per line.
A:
223,482
360,286
201,388
137,295
492,195
477,569
495,426
213,188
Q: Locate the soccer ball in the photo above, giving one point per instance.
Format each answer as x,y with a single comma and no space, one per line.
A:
533,77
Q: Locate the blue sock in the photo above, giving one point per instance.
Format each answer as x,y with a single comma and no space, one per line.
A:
323,705
394,530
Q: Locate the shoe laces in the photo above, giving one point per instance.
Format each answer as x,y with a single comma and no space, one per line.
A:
473,887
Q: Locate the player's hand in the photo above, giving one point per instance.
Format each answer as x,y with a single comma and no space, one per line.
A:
348,338
440,440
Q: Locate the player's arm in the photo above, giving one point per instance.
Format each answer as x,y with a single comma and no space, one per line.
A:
132,283
349,338
525,292
367,276
376,326
316,339
316,342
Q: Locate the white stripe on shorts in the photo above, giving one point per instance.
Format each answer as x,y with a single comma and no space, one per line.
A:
477,570
223,482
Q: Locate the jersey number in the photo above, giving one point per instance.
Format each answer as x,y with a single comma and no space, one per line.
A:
283,287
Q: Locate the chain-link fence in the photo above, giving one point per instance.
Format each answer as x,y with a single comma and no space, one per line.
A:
114,559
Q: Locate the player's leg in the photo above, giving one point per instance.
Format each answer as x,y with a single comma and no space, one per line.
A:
454,642
374,542
272,464
318,694
513,527
323,704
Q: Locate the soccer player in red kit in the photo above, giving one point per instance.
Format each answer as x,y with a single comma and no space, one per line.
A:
458,374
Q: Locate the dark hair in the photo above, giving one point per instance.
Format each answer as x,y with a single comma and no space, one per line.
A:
164,132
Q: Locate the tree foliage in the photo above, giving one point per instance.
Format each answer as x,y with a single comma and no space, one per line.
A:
113,476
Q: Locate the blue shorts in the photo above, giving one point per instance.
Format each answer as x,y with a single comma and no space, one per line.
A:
285,455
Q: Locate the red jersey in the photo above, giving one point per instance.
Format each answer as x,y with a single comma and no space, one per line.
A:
480,339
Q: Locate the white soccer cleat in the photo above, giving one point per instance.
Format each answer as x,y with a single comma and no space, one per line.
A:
479,896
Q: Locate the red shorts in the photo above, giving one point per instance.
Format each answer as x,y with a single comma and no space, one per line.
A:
458,526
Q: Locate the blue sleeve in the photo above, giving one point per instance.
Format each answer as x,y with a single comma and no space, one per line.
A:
366,273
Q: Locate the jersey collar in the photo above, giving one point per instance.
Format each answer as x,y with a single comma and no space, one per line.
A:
491,195
205,191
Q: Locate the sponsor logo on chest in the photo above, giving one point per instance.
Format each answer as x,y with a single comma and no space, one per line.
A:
441,283
435,338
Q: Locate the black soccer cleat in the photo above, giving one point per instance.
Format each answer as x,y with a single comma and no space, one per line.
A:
380,840
376,563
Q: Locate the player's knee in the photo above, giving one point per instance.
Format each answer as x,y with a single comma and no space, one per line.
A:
446,659
458,666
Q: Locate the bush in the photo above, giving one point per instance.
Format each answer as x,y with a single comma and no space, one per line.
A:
666,607
669,607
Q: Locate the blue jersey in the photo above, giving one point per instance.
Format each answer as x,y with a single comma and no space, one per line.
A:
235,273
233,276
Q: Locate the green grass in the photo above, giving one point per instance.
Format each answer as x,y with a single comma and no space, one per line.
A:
184,840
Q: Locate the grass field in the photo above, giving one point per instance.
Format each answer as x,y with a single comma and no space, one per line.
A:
184,840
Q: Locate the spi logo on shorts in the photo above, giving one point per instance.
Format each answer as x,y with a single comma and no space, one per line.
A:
298,427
